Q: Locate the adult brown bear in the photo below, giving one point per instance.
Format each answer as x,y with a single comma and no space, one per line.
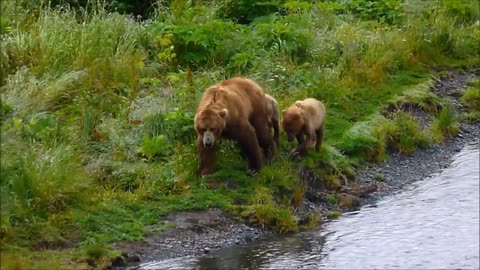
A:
305,120
235,109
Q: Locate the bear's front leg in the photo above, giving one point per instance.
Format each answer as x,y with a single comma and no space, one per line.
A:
247,138
207,157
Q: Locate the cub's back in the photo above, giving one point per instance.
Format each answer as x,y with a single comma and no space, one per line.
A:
316,109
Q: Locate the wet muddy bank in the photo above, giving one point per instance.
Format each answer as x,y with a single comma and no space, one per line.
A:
197,233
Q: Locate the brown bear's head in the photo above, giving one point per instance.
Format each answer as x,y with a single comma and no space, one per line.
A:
292,121
209,124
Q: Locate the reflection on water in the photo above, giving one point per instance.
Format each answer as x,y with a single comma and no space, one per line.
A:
434,224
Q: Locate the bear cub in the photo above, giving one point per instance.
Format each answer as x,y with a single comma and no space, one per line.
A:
305,121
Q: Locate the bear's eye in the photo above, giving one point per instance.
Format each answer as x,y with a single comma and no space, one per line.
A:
201,130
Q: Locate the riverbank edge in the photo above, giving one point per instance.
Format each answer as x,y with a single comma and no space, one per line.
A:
197,233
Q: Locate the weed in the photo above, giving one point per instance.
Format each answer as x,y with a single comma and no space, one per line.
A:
378,177
155,146
445,125
405,135
419,97
333,214
313,220
331,199
471,97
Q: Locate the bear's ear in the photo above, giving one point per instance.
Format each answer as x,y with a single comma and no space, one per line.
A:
223,113
299,104
284,111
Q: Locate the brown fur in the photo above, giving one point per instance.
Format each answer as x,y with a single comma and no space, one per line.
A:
305,120
235,109
274,118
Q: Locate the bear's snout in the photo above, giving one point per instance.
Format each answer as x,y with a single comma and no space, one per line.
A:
208,139
208,144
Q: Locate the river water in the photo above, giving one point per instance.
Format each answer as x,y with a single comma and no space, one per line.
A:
434,224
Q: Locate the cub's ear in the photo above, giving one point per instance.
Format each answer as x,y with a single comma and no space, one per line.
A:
299,104
223,113
284,112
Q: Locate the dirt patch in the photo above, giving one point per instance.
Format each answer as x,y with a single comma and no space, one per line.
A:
194,233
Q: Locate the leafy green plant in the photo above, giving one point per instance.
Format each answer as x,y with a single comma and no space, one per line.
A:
154,147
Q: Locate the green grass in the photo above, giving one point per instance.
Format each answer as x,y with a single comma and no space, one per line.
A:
471,100
97,111
445,125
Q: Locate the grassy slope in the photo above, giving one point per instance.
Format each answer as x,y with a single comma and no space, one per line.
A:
97,136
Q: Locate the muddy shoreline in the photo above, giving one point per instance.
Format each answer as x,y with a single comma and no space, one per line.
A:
197,233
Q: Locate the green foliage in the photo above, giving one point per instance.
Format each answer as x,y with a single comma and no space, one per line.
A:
471,97
462,10
246,11
379,177
405,134
419,97
331,199
176,125
445,125
39,183
371,139
362,140
333,214
155,146
388,11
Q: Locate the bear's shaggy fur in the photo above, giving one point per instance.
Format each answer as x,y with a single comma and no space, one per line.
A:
304,117
235,109
274,118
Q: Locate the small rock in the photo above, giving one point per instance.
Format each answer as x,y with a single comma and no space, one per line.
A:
237,242
206,250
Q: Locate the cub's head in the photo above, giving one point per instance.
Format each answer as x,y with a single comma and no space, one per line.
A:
209,125
292,120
